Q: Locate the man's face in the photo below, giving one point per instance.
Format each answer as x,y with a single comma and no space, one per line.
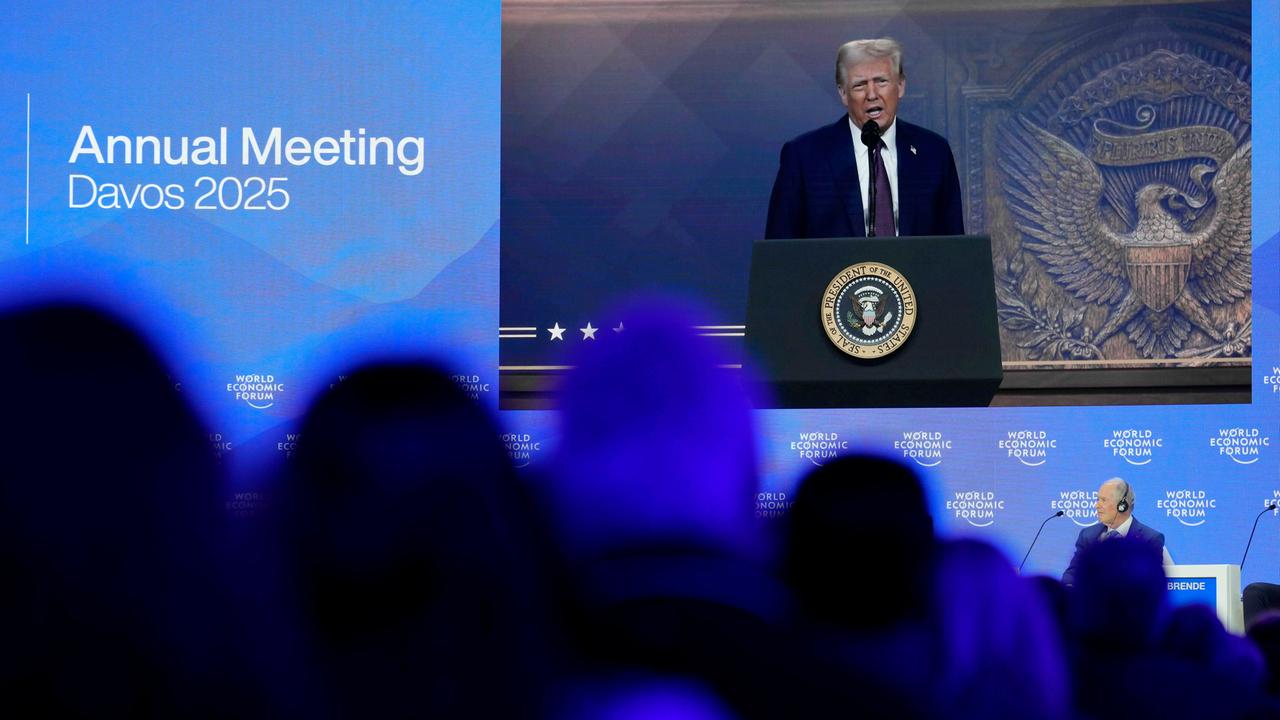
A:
871,92
1108,498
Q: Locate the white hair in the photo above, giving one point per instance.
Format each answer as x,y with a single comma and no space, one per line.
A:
858,51
1124,491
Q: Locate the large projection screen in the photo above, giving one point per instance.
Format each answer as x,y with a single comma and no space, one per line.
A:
640,141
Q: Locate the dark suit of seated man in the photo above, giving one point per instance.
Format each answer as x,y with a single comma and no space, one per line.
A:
1115,520
821,187
1259,598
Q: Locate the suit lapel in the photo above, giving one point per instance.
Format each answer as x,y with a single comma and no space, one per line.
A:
1136,530
1102,530
906,169
844,169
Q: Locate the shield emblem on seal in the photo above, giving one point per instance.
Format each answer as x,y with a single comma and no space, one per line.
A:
1158,272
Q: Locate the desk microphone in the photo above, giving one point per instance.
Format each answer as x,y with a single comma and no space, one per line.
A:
1058,514
1265,510
871,138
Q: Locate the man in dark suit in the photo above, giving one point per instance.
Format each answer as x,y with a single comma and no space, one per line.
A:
1259,599
824,176
1115,521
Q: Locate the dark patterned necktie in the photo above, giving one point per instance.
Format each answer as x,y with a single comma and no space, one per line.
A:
1111,535
884,196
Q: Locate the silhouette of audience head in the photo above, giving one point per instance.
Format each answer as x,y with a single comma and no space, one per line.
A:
95,398
637,696
1264,632
657,444
1120,604
111,522
1001,654
1056,598
404,537
1195,634
653,495
409,561
860,542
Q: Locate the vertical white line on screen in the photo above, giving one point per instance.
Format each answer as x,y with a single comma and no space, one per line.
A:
27,232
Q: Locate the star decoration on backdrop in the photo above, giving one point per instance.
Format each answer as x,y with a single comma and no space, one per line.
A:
590,331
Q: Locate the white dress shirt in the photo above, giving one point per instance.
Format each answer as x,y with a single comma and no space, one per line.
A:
888,154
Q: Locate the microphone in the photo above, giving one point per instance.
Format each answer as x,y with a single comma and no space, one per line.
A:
870,133
871,138
1058,514
1265,510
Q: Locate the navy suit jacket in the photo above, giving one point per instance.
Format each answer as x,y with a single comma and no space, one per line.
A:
817,194
1092,535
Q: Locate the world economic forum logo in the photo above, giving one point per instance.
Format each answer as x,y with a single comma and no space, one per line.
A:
1272,380
257,391
472,385
1079,505
219,445
246,504
1029,447
924,448
522,447
772,504
819,447
288,446
976,507
1243,445
1133,445
1189,507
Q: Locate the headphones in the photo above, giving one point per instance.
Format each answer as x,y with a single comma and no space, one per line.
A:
1125,498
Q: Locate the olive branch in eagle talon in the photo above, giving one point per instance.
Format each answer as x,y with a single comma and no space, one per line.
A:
1063,336
1236,342
1055,193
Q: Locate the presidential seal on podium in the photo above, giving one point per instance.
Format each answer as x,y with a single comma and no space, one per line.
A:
868,310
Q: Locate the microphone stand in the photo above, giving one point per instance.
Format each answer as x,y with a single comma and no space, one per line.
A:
1265,510
1058,514
871,138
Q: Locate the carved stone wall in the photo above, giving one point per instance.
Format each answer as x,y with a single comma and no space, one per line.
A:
1111,164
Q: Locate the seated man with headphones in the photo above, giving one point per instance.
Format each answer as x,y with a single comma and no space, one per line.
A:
1115,520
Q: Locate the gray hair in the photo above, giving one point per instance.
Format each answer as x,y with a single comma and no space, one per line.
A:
858,51
1124,491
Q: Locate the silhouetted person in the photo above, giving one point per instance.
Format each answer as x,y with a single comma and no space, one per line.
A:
110,530
1120,587
1264,632
858,556
405,548
1259,598
653,497
999,650
1056,598
1124,625
639,696
1232,663
861,543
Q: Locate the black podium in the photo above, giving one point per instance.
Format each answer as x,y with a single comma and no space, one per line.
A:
951,357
